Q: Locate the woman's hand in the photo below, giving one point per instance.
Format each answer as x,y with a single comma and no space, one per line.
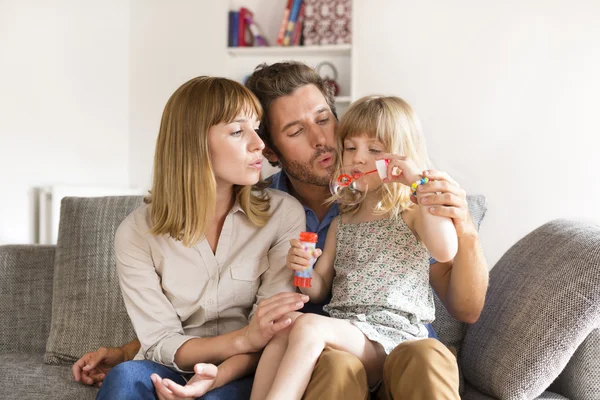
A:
93,367
297,258
400,169
201,383
443,196
271,317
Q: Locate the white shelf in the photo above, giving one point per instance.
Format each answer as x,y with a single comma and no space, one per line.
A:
334,49
343,99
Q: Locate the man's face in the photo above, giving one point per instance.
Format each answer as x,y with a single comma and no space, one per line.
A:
303,131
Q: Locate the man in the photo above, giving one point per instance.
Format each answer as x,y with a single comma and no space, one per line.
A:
298,128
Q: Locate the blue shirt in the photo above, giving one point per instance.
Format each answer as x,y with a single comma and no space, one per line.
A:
312,222
279,181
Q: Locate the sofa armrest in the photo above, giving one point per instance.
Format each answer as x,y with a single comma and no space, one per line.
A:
25,297
542,303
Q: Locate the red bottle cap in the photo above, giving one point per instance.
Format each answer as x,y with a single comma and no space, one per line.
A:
308,237
302,282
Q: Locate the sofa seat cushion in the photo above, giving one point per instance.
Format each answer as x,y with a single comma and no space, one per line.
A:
471,393
25,376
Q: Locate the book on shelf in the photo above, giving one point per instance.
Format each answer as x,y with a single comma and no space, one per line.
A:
242,28
297,37
243,31
284,22
327,22
232,40
289,32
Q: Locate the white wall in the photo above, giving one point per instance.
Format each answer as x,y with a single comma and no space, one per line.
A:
507,92
509,95
171,42
64,84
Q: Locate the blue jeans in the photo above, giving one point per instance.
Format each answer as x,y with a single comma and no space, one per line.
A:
131,380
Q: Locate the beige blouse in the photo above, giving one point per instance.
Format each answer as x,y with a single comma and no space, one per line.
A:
174,293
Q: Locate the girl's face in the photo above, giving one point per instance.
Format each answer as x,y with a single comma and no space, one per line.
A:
359,153
236,151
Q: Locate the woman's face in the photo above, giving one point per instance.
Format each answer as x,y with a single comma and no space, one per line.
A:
236,151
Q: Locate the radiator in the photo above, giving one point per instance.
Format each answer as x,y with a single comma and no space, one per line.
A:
49,205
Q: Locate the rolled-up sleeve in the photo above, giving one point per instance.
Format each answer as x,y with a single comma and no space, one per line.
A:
278,278
154,319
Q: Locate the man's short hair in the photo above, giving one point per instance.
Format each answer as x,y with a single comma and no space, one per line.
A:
270,82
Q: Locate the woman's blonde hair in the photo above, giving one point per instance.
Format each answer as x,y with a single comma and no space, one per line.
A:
393,122
183,193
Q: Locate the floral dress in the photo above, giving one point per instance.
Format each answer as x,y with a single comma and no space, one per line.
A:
381,282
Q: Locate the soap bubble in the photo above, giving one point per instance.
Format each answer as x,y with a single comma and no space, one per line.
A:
347,185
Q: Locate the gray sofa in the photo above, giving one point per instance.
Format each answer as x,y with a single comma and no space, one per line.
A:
539,327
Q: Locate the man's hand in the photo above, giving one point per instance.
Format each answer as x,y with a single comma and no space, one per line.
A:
201,383
271,317
444,197
93,367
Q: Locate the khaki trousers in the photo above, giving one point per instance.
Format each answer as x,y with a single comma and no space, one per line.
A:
416,370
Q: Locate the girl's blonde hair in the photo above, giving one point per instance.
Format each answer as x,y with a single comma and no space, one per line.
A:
393,122
183,193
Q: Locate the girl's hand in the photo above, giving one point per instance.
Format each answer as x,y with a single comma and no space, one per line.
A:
297,258
201,383
400,169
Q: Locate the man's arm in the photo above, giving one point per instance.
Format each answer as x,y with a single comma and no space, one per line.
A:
130,349
461,284
92,367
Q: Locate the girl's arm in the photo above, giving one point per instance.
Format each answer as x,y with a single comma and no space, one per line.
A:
437,233
323,269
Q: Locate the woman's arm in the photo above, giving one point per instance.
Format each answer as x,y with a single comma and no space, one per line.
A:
157,324
323,272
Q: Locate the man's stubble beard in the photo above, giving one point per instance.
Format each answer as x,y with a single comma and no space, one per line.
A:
304,172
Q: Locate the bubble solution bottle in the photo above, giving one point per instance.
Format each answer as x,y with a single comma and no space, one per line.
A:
309,242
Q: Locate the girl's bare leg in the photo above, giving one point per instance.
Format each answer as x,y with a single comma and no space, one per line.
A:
308,337
269,362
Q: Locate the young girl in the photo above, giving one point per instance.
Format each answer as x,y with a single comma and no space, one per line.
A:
376,256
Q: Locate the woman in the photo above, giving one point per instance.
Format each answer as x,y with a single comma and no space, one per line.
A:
202,263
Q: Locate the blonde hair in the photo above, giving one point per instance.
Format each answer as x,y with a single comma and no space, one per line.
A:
183,193
393,122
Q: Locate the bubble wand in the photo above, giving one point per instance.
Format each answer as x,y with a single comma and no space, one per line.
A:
347,179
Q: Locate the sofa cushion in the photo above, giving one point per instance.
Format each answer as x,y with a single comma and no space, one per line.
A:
87,306
542,302
25,376
581,377
25,297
